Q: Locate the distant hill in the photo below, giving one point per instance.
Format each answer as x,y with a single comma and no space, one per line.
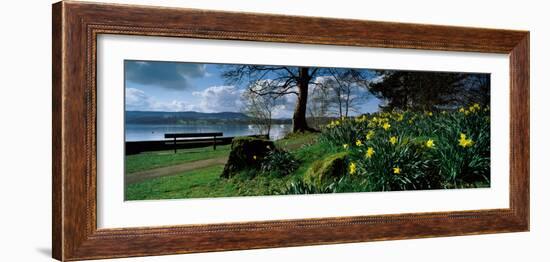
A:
189,117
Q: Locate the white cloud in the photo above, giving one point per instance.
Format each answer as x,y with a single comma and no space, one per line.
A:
137,100
229,99
285,106
172,106
219,99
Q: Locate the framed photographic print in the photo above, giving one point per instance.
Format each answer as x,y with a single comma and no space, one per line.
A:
182,130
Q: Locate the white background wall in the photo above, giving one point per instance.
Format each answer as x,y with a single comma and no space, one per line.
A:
25,161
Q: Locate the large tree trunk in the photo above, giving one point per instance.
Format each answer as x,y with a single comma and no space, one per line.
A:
299,123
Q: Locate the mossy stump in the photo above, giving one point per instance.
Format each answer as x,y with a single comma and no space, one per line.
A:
246,153
327,170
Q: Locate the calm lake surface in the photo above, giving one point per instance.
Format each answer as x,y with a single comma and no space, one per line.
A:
140,132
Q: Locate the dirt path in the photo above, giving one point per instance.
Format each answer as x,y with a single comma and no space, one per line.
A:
172,170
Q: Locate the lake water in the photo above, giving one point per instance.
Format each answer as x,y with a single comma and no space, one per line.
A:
140,132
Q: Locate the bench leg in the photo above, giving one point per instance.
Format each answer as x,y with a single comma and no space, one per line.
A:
175,146
214,142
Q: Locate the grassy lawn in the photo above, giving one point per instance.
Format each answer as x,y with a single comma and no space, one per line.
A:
206,182
293,142
198,183
150,160
203,183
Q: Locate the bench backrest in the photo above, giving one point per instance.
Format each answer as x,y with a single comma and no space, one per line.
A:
178,135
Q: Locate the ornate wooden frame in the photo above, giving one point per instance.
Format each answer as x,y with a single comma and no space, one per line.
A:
76,26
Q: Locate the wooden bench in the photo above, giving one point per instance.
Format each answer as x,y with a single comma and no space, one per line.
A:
175,136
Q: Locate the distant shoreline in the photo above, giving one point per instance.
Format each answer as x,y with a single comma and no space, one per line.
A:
192,118
155,132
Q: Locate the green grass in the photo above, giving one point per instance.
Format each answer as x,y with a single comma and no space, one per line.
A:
305,147
198,183
206,182
151,160
294,142
309,154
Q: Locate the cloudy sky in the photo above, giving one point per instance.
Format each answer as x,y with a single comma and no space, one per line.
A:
172,87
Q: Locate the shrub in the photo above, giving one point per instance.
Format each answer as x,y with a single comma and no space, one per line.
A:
246,153
279,162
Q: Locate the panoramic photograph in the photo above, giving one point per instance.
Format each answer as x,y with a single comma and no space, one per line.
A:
201,130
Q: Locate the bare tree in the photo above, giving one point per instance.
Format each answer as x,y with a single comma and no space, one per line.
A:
260,109
346,86
318,106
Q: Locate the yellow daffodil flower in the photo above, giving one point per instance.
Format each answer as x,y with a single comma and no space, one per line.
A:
475,107
358,143
369,135
430,143
393,140
352,168
369,153
386,126
464,141
397,170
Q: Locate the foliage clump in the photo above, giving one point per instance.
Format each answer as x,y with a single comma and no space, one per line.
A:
325,171
251,156
246,153
279,163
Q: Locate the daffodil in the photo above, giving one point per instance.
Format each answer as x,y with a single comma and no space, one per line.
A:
333,123
399,118
386,126
369,135
397,170
372,122
369,153
358,143
475,107
464,141
352,168
430,143
254,157
346,146
393,140
361,119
